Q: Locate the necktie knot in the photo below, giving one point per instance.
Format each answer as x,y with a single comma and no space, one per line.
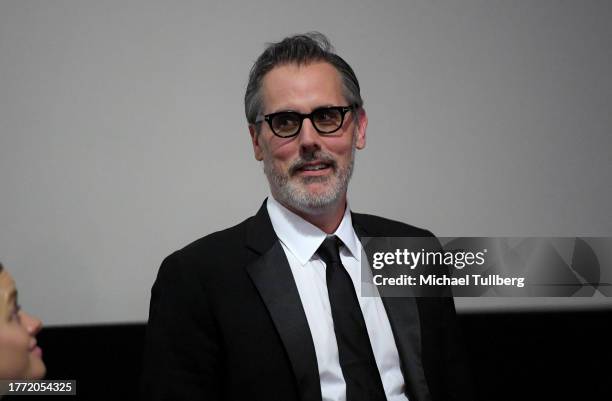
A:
329,250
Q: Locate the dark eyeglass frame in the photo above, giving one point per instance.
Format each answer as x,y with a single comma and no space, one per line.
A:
342,109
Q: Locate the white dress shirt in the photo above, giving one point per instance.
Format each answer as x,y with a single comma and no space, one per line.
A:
300,241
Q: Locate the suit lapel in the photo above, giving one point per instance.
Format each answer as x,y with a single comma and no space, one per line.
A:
403,314
273,279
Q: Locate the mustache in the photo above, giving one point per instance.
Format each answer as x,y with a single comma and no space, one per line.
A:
309,159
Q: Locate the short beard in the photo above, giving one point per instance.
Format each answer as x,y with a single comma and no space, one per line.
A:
296,196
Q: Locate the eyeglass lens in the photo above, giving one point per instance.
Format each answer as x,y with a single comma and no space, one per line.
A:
325,121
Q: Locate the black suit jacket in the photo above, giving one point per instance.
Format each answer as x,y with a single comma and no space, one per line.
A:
226,323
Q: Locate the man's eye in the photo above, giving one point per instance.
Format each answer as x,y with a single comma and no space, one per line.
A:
328,118
324,115
285,121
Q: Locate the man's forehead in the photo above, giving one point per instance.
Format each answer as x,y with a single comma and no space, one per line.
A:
316,82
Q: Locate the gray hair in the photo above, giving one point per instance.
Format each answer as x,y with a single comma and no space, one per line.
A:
301,50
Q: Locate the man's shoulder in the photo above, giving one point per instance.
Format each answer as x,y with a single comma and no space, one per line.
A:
212,255
225,249
380,226
221,242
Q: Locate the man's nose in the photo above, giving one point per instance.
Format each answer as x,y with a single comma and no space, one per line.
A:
308,136
31,323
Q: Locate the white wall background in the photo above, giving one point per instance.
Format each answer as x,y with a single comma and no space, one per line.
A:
122,134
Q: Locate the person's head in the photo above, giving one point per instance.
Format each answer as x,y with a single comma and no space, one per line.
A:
308,161
20,358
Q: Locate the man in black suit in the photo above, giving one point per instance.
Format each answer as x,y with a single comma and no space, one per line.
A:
270,309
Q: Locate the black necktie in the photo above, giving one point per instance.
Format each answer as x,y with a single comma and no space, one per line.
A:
355,351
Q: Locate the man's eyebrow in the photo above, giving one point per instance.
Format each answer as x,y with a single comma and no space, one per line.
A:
284,110
291,110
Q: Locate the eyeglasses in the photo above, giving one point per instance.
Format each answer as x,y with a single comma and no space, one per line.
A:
326,120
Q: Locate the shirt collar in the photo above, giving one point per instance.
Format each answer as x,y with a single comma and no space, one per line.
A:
303,238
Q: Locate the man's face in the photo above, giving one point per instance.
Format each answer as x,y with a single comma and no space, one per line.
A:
308,172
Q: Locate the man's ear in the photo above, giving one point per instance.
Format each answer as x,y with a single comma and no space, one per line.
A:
257,150
362,125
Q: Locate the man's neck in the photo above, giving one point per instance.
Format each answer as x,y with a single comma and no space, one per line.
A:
327,219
